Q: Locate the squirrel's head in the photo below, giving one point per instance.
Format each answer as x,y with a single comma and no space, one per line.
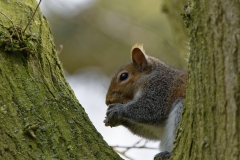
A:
127,81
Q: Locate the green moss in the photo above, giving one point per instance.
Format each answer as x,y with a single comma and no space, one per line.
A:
25,44
39,114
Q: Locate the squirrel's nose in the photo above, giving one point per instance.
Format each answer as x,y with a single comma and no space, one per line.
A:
108,102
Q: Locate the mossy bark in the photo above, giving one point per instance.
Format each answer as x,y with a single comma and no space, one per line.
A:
40,118
210,125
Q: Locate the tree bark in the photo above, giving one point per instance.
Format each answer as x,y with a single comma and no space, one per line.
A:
210,125
39,114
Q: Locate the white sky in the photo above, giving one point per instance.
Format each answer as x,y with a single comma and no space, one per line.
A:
65,7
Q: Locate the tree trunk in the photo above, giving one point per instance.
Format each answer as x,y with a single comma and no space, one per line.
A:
39,114
210,125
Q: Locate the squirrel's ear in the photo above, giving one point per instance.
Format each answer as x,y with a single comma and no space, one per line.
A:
139,58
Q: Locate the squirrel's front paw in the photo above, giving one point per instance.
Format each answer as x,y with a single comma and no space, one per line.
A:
113,115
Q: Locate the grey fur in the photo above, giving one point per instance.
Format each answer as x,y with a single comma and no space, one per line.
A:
154,111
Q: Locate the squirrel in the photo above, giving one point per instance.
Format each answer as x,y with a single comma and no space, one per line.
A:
146,96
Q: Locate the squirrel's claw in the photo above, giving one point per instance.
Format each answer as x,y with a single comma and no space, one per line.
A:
106,122
113,115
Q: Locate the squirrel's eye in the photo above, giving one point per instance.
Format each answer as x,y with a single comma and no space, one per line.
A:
123,76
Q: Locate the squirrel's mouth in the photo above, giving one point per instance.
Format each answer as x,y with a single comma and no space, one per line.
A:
113,101
110,101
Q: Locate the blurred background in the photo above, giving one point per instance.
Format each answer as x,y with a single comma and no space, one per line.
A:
97,36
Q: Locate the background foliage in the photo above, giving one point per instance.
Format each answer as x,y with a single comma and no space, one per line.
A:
102,33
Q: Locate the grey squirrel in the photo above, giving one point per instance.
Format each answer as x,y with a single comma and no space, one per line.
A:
146,96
